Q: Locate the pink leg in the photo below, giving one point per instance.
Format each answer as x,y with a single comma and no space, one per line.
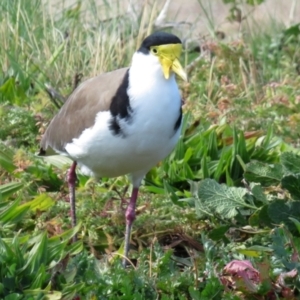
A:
71,182
130,216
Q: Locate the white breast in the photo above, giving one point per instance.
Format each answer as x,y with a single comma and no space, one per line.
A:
149,135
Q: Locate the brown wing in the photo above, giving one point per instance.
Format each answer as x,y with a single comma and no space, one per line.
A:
81,108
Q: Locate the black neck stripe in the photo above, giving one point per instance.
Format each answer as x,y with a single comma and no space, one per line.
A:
178,121
120,104
120,107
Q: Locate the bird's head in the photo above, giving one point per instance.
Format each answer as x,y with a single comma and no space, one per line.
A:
167,47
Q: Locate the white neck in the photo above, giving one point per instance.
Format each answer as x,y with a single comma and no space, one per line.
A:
146,73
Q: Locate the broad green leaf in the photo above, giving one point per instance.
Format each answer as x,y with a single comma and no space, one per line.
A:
170,190
14,296
40,277
38,254
204,167
218,233
260,248
212,146
12,92
279,241
66,235
290,161
52,295
155,190
56,252
153,179
188,154
239,149
9,188
254,219
292,31
297,223
280,211
250,253
254,2
6,159
12,212
5,249
229,180
292,184
41,202
220,198
212,290
59,161
264,218
265,148
229,1
22,239
223,163
194,294
242,163
258,193
201,209
70,274
75,248
265,174
255,251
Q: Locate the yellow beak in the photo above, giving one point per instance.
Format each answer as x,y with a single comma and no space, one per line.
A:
168,57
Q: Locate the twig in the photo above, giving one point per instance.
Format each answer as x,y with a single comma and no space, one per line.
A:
54,96
162,15
168,25
76,80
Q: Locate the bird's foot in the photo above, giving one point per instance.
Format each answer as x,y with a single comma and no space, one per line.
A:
124,203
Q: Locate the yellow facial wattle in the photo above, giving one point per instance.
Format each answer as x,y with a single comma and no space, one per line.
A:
169,58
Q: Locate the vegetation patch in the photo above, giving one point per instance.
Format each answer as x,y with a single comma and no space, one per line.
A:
217,219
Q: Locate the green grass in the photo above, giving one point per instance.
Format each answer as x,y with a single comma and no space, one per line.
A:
229,191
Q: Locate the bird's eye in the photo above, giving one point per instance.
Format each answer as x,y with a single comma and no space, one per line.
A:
154,50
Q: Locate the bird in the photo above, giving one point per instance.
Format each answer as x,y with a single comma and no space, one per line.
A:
122,122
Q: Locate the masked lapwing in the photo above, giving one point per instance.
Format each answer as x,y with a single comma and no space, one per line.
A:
124,121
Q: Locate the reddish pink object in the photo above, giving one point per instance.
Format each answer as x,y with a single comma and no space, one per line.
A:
240,274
